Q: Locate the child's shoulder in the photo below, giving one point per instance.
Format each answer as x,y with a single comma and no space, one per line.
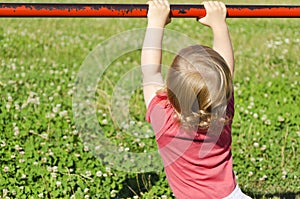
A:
161,98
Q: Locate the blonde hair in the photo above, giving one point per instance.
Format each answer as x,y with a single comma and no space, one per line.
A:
198,83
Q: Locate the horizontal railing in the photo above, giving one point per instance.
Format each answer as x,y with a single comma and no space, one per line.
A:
140,10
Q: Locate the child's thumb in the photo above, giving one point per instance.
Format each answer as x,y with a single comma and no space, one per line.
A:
202,20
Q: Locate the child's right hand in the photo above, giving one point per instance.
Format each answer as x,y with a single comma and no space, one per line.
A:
215,14
158,13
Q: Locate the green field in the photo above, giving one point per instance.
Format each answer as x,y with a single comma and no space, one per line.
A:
42,154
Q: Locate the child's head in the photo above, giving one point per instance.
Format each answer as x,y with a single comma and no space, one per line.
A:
199,83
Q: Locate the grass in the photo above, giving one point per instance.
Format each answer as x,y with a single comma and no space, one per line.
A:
43,155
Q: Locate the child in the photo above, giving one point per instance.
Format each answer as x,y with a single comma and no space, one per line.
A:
192,115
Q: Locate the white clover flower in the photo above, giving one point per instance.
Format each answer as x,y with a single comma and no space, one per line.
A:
250,173
280,118
77,155
63,113
132,123
121,149
50,115
86,148
256,144
44,135
88,173
104,121
53,175
287,40
55,169
86,190
142,144
3,143
41,195
268,122
6,169
270,44
125,126
263,178
269,84
263,147
55,109
5,192
58,183
98,173
108,169
18,148
278,43
8,106
113,193
9,98
284,172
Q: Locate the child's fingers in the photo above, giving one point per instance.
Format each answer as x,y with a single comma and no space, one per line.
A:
210,5
154,3
207,5
223,6
166,3
163,3
160,3
151,3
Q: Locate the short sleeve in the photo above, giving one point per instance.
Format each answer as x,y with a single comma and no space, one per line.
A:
159,113
157,100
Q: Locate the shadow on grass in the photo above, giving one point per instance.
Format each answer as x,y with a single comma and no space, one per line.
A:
287,195
141,183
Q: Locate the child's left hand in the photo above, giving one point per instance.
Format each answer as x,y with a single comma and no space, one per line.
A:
158,13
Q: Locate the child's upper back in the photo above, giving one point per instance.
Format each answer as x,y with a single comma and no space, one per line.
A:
197,165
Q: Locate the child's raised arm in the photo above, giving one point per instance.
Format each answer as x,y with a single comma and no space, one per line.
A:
216,19
158,17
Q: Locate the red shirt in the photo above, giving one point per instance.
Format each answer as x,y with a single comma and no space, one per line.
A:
197,164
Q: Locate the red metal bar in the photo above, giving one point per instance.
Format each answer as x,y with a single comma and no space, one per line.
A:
140,10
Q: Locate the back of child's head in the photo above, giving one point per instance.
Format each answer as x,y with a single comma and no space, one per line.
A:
199,83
